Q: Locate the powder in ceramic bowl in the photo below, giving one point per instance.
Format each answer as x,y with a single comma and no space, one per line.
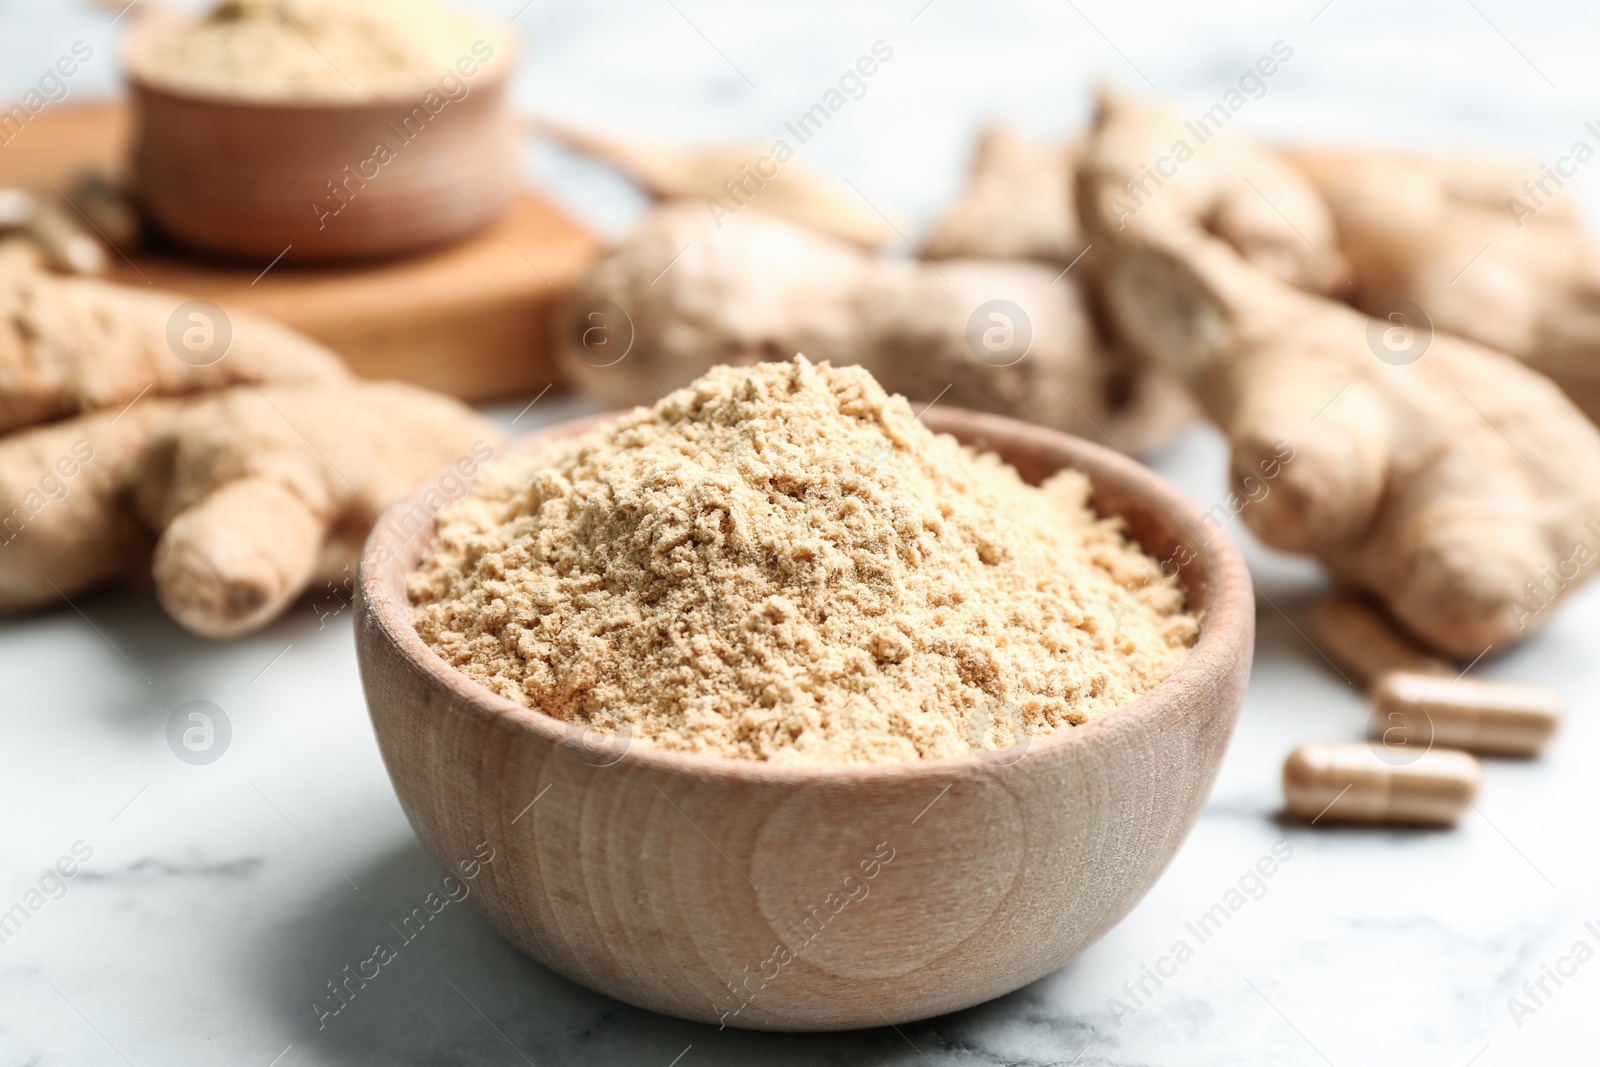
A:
316,51
780,563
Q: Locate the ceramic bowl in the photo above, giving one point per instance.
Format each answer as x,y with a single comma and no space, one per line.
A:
812,897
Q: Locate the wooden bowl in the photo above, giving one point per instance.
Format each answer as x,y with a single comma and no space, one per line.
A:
789,897
249,180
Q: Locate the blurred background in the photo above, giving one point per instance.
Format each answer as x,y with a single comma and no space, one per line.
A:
220,899
1427,73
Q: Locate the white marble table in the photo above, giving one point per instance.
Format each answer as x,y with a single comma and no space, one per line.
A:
217,900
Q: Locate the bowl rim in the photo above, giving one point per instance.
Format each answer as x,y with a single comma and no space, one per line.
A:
141,86
154,23
1226,626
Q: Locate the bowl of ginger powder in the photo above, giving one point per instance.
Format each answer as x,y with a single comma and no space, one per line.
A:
784,709
321,130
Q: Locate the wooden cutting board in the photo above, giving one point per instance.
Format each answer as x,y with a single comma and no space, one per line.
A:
470,319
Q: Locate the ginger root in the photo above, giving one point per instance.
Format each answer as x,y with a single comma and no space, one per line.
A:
248,494
244,494
1148,173
693,294
1443,234
683,294
62,529
1452,487
1017,204
257,492
726,178
918,337
73,345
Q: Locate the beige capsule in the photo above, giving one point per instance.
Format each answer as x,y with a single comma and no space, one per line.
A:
1487,717
1360,639
1355,782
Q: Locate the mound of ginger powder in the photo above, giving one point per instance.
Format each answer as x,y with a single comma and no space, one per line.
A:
779,562
324,51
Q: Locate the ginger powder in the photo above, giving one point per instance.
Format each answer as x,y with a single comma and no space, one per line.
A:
780,562
318,51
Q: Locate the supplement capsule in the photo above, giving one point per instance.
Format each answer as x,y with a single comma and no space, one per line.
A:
1355,634
1357,783
1492,718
